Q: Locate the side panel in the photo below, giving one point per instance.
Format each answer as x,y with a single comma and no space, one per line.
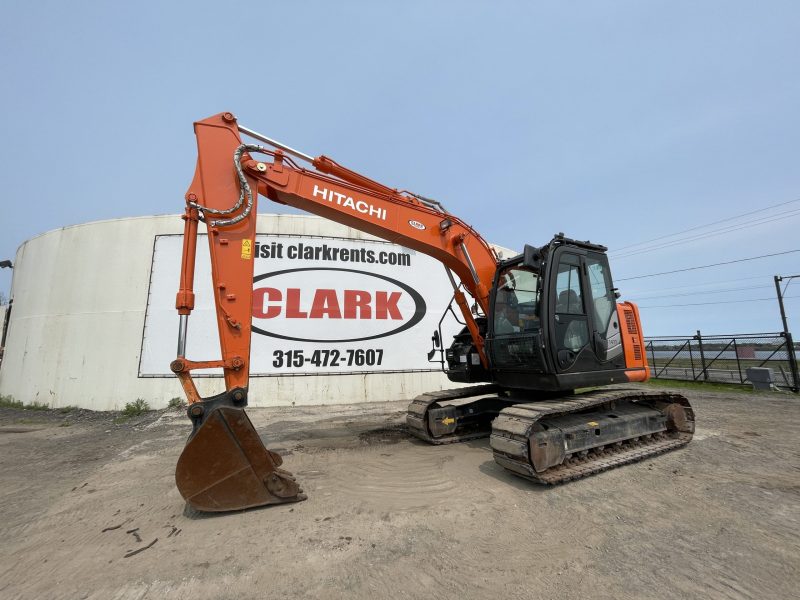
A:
636,365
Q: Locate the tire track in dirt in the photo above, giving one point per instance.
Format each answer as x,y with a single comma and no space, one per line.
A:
418,480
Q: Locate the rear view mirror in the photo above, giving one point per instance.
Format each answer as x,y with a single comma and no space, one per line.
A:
531,257
437,342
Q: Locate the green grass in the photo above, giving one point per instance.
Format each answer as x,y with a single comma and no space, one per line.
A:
704,386
65,410
135,408
9,402
176,403
37,406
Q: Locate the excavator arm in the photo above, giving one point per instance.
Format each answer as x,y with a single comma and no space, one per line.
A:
224,465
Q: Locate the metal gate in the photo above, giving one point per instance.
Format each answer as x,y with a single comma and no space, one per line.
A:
723,358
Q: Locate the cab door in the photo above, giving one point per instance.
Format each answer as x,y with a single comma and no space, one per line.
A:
570,340
606,336
585,328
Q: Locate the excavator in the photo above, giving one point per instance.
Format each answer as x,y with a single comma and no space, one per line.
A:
543,331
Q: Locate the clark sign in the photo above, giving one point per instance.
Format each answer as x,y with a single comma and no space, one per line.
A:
320,306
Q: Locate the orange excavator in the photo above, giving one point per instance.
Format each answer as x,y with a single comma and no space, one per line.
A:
538,327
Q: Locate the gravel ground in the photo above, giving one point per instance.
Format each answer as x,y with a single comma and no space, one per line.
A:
90,510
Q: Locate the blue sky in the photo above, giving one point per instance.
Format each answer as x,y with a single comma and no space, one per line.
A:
618,122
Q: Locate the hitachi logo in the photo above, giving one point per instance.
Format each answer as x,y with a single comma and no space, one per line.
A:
269,303
348,202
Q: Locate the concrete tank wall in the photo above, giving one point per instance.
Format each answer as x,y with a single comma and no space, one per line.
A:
75,336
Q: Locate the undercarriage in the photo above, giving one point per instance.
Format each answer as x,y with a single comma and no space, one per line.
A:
558,439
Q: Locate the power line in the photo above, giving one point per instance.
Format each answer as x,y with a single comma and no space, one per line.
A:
729,262
714,303
728,229
740,289
707,225
702,236
694,286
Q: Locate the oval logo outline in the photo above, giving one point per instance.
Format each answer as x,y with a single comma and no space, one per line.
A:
417,225
420,307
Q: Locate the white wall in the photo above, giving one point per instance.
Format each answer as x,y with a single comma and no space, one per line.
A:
80,295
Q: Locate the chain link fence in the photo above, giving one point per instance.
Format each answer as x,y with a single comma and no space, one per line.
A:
723,358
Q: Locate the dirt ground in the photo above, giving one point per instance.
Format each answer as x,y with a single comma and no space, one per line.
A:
390,517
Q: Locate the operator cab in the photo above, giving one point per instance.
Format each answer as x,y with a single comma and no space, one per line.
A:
554,322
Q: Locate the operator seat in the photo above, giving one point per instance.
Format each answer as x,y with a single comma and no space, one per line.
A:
569,303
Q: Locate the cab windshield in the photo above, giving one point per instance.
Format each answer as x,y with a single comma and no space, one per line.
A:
516,306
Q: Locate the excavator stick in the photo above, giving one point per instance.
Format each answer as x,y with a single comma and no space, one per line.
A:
225,465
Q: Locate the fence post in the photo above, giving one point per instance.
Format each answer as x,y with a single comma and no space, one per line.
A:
653,356
786,334
702,355
792,362
738,362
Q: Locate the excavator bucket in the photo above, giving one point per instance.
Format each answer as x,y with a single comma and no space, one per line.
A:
225,465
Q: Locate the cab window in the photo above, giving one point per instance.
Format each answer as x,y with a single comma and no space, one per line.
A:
517,301
571,326
568,290
603,300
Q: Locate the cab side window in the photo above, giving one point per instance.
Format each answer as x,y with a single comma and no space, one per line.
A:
568,290
517,302
571,323
603,301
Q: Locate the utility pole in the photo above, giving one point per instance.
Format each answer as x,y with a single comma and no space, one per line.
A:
789,340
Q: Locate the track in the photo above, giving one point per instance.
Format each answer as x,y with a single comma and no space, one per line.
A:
420,407
661,422
513,429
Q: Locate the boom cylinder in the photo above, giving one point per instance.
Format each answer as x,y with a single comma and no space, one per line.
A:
262,138
470,264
